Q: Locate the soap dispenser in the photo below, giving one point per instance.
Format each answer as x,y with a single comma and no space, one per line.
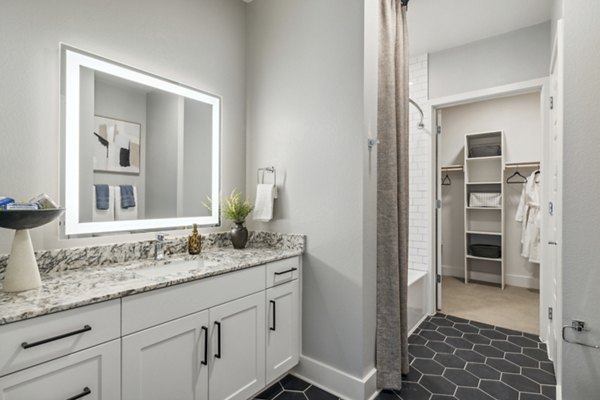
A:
194,241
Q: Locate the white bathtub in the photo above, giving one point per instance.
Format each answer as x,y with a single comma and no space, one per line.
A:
417,285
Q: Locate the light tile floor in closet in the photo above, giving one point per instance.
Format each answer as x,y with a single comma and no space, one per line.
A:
512,308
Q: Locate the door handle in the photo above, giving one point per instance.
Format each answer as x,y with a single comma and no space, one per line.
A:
205,361
218,353
286,271
553,243
274,327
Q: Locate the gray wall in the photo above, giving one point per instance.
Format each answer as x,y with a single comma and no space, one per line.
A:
200,43
306,117
581,218
512,57
162,140
197,159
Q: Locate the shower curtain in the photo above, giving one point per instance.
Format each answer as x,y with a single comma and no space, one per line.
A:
392,196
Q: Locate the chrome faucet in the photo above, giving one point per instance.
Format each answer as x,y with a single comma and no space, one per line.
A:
159,246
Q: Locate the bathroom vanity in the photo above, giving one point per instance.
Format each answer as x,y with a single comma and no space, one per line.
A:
222,325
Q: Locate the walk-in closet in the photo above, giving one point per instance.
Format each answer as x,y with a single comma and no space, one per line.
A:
489,166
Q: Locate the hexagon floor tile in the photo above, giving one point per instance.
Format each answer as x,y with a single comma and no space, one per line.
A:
453,358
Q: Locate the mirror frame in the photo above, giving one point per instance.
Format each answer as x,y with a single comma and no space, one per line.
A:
72,59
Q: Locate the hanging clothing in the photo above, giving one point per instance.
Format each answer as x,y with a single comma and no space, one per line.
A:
528,213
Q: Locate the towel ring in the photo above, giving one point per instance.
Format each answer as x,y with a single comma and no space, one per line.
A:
260,178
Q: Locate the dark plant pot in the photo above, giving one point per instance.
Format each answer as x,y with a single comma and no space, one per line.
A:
239,235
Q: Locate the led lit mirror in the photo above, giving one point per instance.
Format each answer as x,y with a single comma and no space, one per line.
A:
140,152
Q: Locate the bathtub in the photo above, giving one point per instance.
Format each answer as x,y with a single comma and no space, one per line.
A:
417,289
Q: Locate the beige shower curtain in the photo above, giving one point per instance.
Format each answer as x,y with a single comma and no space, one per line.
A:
392,196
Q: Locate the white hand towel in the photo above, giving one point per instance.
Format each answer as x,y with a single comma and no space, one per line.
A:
263,208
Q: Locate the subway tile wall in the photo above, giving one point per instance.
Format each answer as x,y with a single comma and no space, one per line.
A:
419,256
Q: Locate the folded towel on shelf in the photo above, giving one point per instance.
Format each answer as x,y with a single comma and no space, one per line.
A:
102,197
127,196
263,208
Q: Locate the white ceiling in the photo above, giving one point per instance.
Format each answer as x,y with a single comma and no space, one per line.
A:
441,24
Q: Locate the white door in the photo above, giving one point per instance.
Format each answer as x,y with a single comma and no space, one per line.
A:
237,348
92,374
438,212
283,315
553,210
167,361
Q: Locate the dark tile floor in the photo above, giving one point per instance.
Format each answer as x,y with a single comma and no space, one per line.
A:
452,358
293,388
455,359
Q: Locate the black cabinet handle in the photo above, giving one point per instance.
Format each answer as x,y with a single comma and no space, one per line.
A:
286,271
274,327
86,391
205,330
218,354
86,328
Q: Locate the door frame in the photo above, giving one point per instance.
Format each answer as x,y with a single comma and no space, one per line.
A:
540,85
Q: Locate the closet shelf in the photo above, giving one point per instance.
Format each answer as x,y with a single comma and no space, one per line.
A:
484,183
483,258
485,208
484,158
484,233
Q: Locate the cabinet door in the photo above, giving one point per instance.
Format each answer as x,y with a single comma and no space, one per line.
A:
92,374
237,360
283,321
167,361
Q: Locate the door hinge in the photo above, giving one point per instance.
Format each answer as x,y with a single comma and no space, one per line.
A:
552,102
438,204
550,313
439,278
439,130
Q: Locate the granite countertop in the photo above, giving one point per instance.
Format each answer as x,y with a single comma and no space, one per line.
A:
64,288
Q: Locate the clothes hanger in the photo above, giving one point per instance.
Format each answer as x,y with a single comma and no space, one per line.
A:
446,181
517,174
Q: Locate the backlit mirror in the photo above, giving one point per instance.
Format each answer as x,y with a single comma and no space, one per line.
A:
140,152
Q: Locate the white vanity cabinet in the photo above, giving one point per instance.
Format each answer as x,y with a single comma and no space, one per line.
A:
283,330
220,338
237,357
92,374
168,361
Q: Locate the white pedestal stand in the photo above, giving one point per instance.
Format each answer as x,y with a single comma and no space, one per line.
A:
22,271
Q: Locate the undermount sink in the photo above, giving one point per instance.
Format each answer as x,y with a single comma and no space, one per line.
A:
172,268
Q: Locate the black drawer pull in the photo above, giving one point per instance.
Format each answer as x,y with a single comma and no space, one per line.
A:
286,271
274,327
205,330
86,391
86,328
218,354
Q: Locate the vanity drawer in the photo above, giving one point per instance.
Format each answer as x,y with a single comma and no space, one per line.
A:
40,339
158,306
282,271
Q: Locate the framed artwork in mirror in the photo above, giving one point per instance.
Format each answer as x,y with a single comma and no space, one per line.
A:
117,145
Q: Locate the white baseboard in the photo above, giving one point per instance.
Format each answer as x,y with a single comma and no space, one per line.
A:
337,382
523,281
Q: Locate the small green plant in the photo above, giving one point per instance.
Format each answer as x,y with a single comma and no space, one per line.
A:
235,209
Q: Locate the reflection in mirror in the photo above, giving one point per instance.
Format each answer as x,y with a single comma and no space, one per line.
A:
140,152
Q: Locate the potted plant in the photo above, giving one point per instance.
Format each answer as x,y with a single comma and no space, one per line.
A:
236,210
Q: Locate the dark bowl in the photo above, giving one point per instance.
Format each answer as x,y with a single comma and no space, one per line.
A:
28,219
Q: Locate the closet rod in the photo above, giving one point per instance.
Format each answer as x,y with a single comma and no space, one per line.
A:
534,164
452,168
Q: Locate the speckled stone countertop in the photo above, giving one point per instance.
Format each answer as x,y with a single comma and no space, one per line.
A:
65,288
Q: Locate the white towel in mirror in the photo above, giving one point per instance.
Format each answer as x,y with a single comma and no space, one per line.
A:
104,215
124,214
263,207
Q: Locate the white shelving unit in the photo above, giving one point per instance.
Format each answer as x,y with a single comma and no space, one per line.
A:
484,225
